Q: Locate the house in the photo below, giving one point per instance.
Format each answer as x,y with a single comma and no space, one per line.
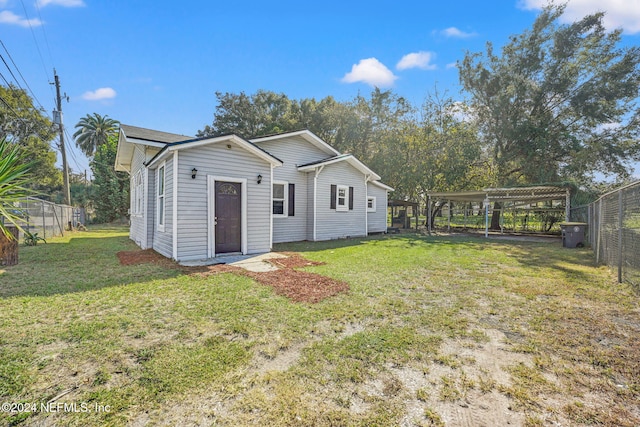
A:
198,198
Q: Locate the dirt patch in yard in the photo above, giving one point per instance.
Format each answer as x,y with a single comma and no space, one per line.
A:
293,260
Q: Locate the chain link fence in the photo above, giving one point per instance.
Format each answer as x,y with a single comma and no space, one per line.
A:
614,230
49,219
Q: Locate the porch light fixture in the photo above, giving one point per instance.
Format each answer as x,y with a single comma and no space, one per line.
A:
194,171
259,178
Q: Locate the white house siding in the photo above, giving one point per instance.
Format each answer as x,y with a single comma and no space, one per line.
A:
332,224
163,240
137,231
377,221
293,152
219,161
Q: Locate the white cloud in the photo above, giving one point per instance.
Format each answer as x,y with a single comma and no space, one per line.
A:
623,14
457,33
372,72
420,60
63,3
99,94
451,65
8,17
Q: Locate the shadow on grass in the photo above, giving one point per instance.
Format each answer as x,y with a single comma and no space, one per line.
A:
78,264
533,254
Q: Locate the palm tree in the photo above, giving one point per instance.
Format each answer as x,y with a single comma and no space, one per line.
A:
93,131
13,179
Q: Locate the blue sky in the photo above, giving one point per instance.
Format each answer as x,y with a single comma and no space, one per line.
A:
158,64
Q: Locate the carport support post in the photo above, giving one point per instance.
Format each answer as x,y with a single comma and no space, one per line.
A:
449,216
429,214
486,216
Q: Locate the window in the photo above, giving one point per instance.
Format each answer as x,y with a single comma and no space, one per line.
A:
342,198
137,195
371,204
161,206
280,199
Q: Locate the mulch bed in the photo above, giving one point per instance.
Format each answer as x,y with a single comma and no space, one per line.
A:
147,256
299,286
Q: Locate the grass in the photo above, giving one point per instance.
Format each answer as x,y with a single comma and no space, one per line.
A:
156,344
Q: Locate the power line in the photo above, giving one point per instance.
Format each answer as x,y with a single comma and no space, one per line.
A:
46,39
33,33
20,73
10,71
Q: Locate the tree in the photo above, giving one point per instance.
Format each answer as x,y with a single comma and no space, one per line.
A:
28,128
110,188
560,102
94,131
263,113
13,184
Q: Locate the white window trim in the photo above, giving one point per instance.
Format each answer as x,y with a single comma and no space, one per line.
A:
373,208
345,207
285,205
161,227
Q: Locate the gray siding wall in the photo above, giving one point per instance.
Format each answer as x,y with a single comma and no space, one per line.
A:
217,160
138,227
377,221
293,152
163,240
332,224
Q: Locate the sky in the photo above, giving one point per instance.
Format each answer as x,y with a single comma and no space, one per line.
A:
159,64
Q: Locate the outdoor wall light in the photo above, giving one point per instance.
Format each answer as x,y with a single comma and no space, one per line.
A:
194,171
259,178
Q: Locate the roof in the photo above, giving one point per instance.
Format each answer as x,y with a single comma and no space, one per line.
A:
382,185
152,135
306,134
538,193
349,158
197,142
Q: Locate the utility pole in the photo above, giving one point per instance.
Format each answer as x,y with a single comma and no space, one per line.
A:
58,116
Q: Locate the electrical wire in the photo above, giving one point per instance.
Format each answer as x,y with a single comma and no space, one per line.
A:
33,33
33,95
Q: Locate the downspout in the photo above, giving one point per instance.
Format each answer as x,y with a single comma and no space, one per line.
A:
315,201
366,204
271,211
175,205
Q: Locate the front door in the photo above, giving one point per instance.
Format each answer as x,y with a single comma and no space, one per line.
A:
228,213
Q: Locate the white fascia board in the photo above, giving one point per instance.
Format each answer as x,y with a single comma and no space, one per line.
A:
381,185
210,141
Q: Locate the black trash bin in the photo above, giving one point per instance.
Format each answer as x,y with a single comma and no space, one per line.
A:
573,234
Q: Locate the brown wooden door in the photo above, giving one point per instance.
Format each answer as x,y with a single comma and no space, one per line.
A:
228,213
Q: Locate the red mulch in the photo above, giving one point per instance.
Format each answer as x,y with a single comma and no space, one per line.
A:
299,286
146,256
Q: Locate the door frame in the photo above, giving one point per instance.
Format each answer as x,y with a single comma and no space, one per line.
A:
211,210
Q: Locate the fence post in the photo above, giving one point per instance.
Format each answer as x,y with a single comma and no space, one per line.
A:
620,234
44,223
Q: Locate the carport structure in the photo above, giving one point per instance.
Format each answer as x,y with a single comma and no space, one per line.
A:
509,198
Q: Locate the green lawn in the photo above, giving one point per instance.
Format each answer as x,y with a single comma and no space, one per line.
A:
434,331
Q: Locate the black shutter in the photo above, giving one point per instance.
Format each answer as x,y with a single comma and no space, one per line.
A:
292,199
350,198
334,191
